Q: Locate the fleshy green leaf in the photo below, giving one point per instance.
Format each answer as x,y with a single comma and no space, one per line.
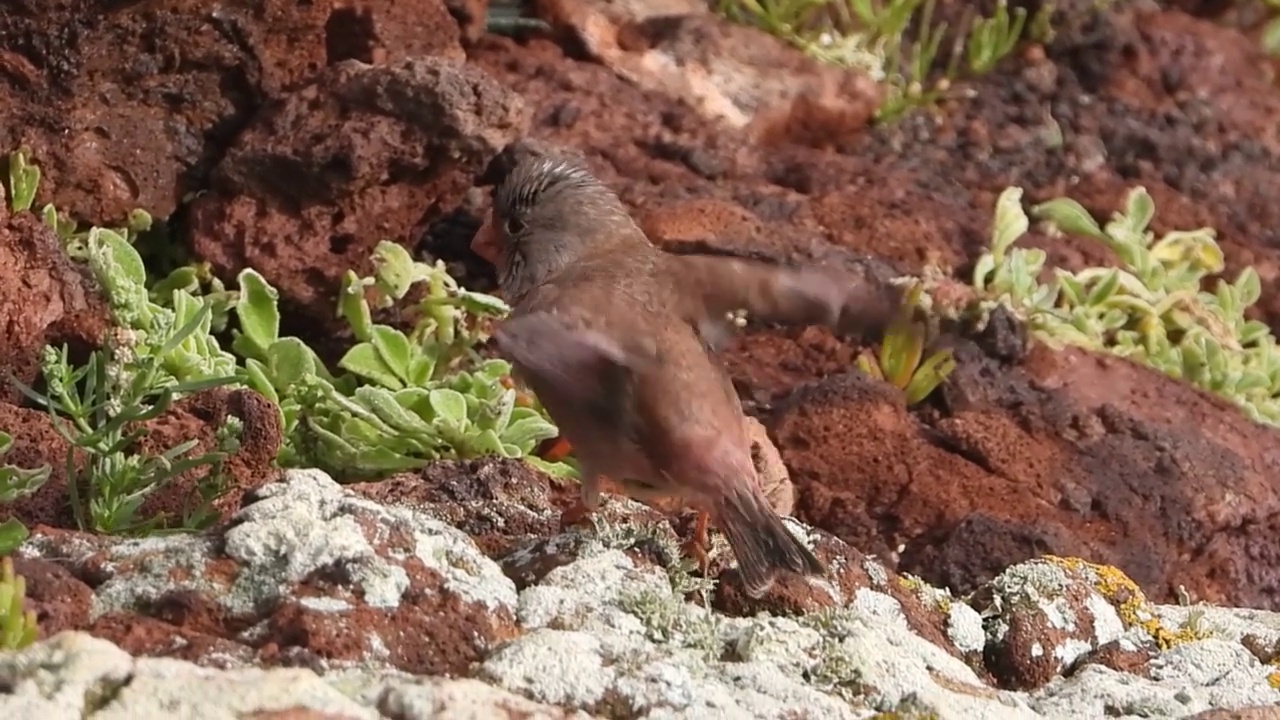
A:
24,180
394,350
1105,288
1139,208
482,304
363,360
386,406
527,432
931,373
1248,287
353,307
449,406
258,315
1069,216
290,360
984,267
125,257
1010,221
395,269
12,534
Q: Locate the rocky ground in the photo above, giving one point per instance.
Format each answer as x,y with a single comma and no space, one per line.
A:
1053,534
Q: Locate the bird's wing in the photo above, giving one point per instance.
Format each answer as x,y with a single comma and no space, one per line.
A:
581,361
584,365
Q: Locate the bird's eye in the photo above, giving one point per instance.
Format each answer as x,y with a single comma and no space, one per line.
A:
514,226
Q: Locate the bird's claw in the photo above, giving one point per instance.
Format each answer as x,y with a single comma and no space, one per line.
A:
696,546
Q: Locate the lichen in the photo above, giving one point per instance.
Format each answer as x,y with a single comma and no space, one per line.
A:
1130,602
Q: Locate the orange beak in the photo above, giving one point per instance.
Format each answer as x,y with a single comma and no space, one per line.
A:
485,242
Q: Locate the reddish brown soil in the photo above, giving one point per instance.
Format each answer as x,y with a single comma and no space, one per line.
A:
1055,453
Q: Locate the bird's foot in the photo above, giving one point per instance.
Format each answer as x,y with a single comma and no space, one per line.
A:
697,545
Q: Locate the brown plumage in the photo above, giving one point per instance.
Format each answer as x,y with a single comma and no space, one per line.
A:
613,336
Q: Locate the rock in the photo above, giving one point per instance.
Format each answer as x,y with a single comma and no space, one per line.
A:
360,154
441,699
196,417
381,603
115,131
499,502
1035,461
729,72
73,674
45,299
293,576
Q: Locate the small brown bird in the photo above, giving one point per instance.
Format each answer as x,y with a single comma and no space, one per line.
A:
613,336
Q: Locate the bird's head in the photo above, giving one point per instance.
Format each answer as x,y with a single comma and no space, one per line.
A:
548,213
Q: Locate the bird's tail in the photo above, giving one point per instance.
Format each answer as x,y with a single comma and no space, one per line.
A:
761,541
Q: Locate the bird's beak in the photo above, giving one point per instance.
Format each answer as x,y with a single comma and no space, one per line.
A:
485,242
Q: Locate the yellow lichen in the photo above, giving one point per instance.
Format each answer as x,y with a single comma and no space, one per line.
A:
938,598
1130,602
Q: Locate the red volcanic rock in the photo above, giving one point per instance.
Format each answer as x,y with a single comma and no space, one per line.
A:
116,130
45,299
360,154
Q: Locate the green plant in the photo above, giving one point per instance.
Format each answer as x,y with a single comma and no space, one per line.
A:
993,38
402,400
398,400
153,356
1271,30
16,482
18,626
872,35
898,360
1150,308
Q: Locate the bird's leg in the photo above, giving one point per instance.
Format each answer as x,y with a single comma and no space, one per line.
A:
698,545
588,501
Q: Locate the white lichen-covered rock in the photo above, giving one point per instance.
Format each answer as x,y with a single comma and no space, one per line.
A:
307,561
610,637
1187,679
75,675
380,603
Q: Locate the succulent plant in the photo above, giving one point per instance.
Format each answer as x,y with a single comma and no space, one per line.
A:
900,359
18,627
1150,308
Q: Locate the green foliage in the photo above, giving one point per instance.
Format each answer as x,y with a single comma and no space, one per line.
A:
402,400
991,39
898,360
399,400
153,356
872,35
1150,308
1271,30
16,482
18,626
24,180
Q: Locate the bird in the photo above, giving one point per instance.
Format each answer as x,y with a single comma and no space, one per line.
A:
617,339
